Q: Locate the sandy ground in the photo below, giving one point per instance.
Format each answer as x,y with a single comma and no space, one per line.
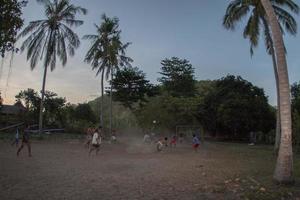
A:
128,170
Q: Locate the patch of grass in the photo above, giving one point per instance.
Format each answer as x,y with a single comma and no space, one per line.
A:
254,178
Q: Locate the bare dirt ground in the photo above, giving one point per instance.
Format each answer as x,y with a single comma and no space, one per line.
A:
131,170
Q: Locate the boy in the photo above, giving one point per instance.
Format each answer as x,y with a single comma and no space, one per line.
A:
159,145
16,140
89,133
166,142
147,139
173,141
113,137
25,141
96,141
196,142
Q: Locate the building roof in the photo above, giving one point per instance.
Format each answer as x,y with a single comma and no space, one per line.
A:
12,109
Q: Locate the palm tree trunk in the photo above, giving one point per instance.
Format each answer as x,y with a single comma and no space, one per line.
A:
42,101
102,100
284,166
278,131
110,114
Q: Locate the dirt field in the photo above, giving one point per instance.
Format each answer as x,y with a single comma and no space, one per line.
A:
131,170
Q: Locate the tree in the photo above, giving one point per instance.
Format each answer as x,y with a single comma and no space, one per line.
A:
84,112
284,166
131,86
31,99
295,94
53,105
53,109
239,9
178,77
233,107
168,111
11,23
51,38
107,52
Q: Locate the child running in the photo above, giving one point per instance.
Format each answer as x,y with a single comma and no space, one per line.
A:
114,137
96,141
159,145
166,142
173,141
16,139
25,141
196,142
89,133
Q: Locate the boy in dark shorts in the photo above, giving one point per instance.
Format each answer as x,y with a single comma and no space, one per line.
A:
25,141
166,142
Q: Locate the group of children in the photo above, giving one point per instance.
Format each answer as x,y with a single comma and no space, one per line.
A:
94,140
161,143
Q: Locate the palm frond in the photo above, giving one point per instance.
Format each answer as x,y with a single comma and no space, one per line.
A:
288,3
61,48
31,27
286,20
252,31
234,13
90,37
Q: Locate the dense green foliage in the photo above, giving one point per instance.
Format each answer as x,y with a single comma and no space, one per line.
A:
295,91
10,22
52,110
178,77
234,107
130,87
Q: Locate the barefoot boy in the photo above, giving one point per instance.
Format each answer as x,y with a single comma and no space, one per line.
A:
96,141
25,141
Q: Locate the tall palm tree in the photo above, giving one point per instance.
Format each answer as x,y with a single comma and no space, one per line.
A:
239,9
284,166
107,53
52,37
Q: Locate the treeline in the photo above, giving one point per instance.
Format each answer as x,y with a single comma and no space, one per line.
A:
228,108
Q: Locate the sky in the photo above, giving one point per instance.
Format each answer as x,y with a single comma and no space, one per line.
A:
157,29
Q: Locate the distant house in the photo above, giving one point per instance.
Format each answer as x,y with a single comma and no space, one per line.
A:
11,110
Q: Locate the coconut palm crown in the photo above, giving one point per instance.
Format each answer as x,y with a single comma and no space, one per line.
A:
52,37
107,51
239,9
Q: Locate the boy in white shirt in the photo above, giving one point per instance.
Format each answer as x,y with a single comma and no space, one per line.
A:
96,141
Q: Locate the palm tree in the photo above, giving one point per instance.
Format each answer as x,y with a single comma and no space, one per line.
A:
107,53
284,166
239,9
52,37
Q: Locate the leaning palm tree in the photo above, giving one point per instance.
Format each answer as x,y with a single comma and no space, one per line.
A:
239,9
51,38
284,166
107,53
